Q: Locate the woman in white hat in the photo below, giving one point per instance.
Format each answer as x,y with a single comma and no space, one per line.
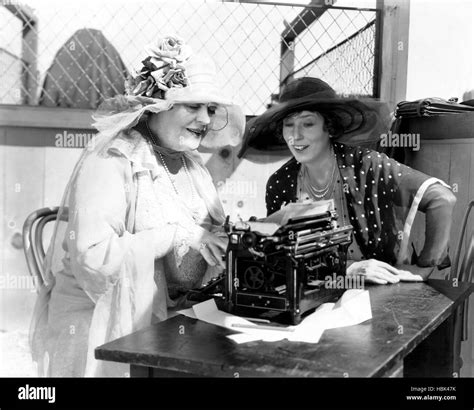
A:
143,214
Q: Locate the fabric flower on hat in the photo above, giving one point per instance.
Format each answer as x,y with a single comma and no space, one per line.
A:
162,69
169,48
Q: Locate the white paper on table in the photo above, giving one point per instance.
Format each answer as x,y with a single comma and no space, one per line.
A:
188,312
207,312
352,308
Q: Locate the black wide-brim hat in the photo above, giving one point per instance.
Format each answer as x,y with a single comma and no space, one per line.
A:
351,116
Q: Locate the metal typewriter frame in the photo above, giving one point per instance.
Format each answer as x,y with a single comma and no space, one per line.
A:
296,243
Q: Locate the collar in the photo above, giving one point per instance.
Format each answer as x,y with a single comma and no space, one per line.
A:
133,146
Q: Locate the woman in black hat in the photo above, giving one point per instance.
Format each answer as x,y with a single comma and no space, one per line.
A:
377,195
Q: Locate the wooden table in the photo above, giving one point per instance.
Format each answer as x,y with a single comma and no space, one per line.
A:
411,334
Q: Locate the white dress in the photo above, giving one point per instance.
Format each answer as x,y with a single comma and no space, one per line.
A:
124,249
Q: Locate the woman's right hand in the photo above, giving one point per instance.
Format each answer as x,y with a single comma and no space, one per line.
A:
379,272
211,246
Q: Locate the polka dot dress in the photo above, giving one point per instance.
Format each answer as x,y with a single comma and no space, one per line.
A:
377,196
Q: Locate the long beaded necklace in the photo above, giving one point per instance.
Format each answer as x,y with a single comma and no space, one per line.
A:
194,212
186,170
322,192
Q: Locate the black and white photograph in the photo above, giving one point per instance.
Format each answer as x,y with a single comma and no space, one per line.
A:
278,192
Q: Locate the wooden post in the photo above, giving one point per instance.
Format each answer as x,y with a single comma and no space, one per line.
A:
29,56
287,63
29,51
395,19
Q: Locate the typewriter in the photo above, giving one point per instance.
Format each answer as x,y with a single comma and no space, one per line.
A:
280,275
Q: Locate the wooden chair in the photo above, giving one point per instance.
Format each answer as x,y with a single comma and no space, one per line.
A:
33,241
463,268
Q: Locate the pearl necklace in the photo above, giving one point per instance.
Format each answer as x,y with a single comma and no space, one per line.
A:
191,184
315,192
195,212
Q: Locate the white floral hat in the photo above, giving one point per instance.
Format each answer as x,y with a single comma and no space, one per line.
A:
172,74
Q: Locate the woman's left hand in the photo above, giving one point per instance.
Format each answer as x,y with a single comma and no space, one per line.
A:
414,273
376,271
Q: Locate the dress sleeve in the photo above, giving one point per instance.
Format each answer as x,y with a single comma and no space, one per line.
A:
438,205
411,191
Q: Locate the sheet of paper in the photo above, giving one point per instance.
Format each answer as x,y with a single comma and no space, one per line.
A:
188,312
263,228
298,209
353,308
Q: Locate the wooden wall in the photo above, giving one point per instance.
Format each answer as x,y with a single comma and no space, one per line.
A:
447,152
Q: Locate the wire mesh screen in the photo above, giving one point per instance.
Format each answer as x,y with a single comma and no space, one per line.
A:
75,54
349,65
10,85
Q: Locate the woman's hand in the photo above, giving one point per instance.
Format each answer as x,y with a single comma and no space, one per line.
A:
211,246
375,271
415,273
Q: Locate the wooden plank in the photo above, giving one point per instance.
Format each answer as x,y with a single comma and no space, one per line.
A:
140,371
24,190
36,116
435,356
3,226
439,354
395,23
29,54
459,170
440,160
48,137
444,127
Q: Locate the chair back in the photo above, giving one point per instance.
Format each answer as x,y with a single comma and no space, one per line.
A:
463,267
33,242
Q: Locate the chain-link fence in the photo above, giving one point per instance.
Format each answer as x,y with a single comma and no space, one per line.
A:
76,54
349,65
